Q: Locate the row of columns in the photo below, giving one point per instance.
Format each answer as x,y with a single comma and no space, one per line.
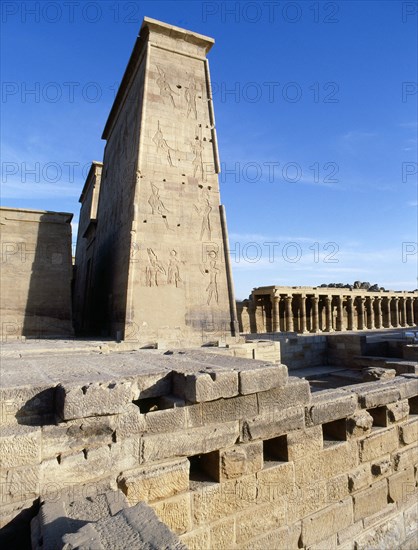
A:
362,312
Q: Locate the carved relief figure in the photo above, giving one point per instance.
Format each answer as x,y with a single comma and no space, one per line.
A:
204,208
173,272
153,269
197,149
162,144
212,270
157,205
165,88
191,95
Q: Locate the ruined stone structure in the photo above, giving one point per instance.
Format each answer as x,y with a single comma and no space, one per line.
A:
321,309
228,452
152,261
36,273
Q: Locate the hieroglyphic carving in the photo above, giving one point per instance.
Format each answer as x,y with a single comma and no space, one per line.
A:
191,95
212,270
153,269
165,88
162,144
173,271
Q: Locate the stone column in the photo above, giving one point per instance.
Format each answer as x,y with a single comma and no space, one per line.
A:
302,314
403,311
387,302
315,316
369,313
378,303
396,310
328,314
276,313
289,313
350,313
339,313
410,309
360,312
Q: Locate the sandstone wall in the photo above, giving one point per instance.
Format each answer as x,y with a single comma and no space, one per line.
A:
36,273
229,453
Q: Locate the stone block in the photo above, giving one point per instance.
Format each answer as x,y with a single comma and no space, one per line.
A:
19,484
382,467
236,461
336,459
398,411
374,394
272,424
262,378
26,404
93,399
256,521
402,485
370,501
226,410
347,534
322,524
188,442
379,442
359,424
206,385
199,539
175,512
216,501
304,442
222,534
411,520
408,432
283,538
296,392
360,478
275,482
20,445
157,481
169,420
329,405
130,423
337,488
76,435
389,534
407,456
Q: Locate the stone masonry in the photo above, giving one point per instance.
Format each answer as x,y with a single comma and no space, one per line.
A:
228,452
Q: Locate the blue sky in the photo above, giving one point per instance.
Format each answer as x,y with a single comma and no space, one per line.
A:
316,111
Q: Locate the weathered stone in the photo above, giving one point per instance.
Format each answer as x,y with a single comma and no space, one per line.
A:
402,485
130,422
359,424
378,373
280,539
19,484
407,456
382,467
155,482
222,534
175,512
329,405
296,392
273,423
209,385
374,394
275,482
226,410
20,445
336,459
170,420
370,501
236,461
304,442
188,442
337,488
390,534
198,539
262,378
360,478
408,431
379,443
267,518
320,525
93,399
347,535
397,411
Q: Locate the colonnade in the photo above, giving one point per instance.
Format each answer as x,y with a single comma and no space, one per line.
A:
318,309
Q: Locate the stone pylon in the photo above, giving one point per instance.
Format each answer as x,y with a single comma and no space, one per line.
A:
152,260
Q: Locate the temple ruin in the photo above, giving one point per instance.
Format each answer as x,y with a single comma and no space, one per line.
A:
296,430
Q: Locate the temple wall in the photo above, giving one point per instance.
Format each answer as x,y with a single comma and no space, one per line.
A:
36,274
229,453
